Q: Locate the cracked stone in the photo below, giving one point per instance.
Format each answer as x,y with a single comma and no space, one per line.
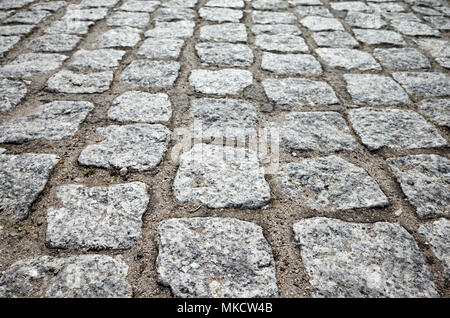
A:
303,64
424,180
145,73
119,37
335,39
23,179
331,183
365,21
69,27
299,91
28,17
372,89
315,23
225,81
220,14
316,131
139,6
7,43
228,118
54,43
169,14
377,37
66,81
437,234
345,259
11,93
25,65
439,49
224,54
132,19
265,17
438,110
221,177
215,257
97,218
178,29
53,121
139,146
348,59
394,128
407,58
161,48
238,4
424,83
97,60
226,32
281,43
274,29
136,106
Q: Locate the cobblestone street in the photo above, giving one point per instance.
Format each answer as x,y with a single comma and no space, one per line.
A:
98,198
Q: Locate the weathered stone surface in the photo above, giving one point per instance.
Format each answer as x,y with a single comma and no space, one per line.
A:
239,4
132,19
346,259
16,29
331,183
139,146
49,6
348,59
220,14
439,49
377,37
224,54
25,65
424,83
228,118
274,29
174,13
315,23
352,6
66,81
425,181
139,6
387,7
83,276
365,20
335,39
97,60
97,218
281,43
437,234
425,10
215,257
371,89
90,14
177,29
414,28
224,32
316,131
54,43
145,73
269,4
53,121
14,4
161,48
28,17
11,93
294,91
303,64
267,17
441,23
180,3
135,106
407,58
119,37
69,27
2,150
205,177
23,177
98,3
225,81
394,128
438,110
7,43
297,3
320,11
